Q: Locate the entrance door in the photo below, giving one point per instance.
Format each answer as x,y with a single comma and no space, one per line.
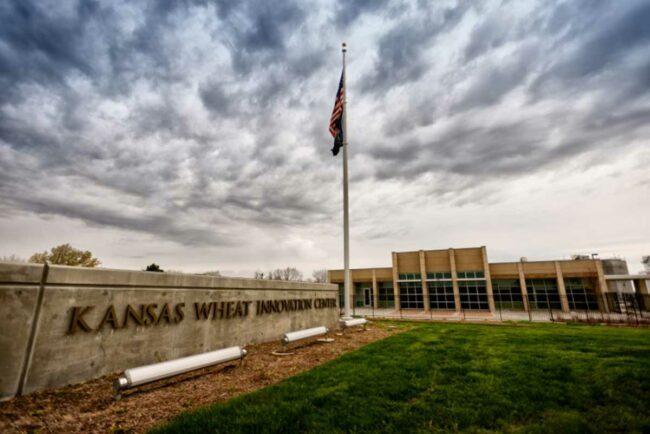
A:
367,299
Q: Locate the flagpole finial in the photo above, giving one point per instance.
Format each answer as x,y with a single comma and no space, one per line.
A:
344,47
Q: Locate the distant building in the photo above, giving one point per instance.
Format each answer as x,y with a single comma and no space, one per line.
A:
455,279
617,267
646,263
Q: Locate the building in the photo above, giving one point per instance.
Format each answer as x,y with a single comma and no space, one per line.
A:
451,280
617,266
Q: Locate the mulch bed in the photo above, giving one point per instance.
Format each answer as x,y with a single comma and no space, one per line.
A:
91,407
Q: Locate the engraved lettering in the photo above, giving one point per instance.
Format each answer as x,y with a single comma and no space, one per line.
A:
203,310
179,314
110,317
77,319
134,315
164,314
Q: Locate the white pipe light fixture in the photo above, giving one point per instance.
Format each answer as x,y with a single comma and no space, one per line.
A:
146,374
304,334
300,335
347,323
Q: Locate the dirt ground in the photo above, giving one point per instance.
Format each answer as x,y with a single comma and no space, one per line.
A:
91,407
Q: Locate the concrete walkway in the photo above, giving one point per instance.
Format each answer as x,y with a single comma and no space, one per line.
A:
504,315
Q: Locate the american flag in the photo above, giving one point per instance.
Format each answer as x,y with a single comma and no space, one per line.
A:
336,129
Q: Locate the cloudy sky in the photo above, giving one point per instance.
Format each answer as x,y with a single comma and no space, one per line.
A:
194,134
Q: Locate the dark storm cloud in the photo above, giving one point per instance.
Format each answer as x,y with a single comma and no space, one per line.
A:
192,121
348,12
40,48
487,35
495,81
479,153
257,31
619,33
59,195
399,59
216,99
154,224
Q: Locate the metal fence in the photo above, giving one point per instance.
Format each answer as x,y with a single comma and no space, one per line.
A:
613,308
621,308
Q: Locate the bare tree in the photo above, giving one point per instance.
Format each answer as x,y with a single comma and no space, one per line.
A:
12,258
258,275
320,276
289,273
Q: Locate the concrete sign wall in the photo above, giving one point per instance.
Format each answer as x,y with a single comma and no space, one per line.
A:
64,325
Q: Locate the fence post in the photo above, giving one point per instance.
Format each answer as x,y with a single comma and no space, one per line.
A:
500,302
634,305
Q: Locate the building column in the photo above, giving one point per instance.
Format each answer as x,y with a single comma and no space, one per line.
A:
522,285
352,292
642,286
601,288
564,302
488,279
454,279
425,288
375,290
398,305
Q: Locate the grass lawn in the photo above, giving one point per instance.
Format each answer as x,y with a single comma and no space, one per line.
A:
457,377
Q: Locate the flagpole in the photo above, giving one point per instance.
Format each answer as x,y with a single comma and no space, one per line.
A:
346,221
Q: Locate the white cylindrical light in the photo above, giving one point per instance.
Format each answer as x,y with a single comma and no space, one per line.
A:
303,334
158,371
354,322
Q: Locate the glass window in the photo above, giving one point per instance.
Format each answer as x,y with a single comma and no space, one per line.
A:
507,294
441,295
471,275
543,294
410,276
386,294
438,275
411,295
473,294
580,294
